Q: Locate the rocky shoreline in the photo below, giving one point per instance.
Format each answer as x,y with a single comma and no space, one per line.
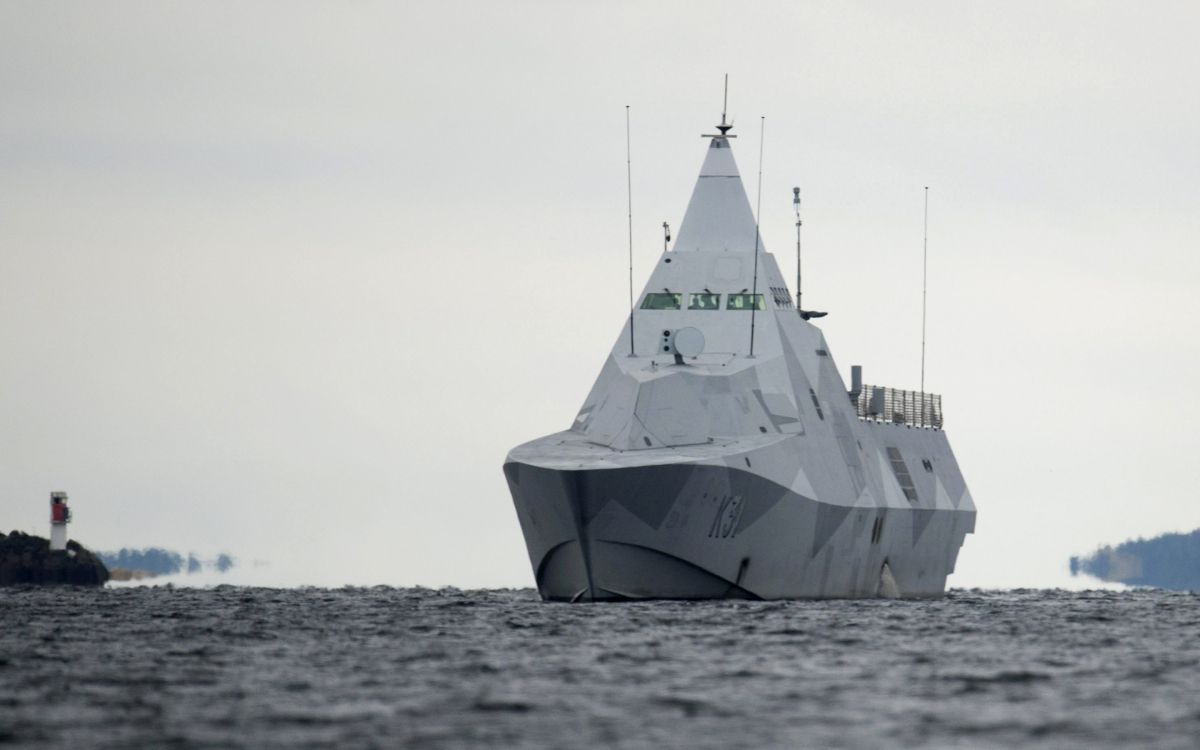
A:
27,559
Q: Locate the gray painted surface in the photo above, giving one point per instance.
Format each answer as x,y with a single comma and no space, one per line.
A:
733,475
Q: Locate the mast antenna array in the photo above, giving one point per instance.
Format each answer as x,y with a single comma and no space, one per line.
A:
796,204
924,288
724,108
757,212
724,127
629,194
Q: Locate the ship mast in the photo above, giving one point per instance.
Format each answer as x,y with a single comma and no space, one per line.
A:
924,288
629,195
724,127
796,203
757,212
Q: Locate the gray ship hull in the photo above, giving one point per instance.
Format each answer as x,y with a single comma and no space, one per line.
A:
708,530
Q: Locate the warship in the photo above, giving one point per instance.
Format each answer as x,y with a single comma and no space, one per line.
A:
721,455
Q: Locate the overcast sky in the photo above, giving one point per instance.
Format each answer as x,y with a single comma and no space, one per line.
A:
288,280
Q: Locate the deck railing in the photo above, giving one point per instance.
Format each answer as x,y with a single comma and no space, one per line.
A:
900,407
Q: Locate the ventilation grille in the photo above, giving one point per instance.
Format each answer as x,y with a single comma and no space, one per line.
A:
782,297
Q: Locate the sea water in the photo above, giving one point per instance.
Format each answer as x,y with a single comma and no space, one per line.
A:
387,667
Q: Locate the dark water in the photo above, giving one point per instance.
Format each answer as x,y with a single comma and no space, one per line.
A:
240,667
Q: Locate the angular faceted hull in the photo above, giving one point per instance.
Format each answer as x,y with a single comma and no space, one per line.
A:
705,531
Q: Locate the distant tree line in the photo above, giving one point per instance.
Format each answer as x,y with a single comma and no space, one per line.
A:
159,562
1169,561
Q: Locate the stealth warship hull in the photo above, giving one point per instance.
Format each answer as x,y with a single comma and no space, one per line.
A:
703,466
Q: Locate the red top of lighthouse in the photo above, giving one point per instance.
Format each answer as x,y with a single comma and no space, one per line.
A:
59,513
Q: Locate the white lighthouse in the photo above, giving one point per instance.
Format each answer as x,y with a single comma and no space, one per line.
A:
60,516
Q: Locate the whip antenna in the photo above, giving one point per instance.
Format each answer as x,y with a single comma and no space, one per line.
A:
629,194
796,204
924,288
725,100
762,127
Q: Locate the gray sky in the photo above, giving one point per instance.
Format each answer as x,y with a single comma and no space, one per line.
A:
289,280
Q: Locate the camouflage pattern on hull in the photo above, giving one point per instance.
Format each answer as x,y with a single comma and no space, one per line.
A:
696,531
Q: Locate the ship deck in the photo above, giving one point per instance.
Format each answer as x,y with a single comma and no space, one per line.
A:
570,450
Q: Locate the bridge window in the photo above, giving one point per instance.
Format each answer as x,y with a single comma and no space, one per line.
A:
662,301
704,301
745,302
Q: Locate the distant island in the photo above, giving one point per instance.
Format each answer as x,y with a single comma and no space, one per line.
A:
1169,561
134,564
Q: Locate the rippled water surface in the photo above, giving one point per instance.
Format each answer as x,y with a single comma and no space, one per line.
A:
243,667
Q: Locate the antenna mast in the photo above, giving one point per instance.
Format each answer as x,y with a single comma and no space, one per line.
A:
724,127
796,203
924,288
725,102
757,212
629,194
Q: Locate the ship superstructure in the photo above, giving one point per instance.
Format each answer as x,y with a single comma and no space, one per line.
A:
706,466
